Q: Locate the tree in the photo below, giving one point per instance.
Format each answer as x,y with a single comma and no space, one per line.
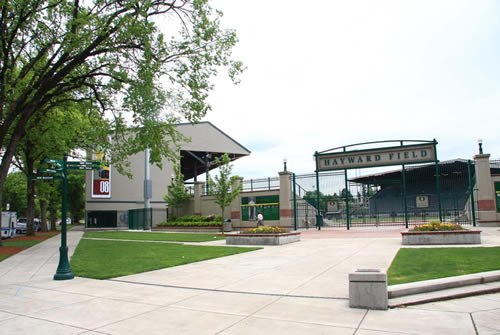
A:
349,195
223,187
112,58
60,132
76,195
14,193
177,193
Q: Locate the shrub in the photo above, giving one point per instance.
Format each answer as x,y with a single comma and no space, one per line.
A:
437,226
191,223
197,218
265,230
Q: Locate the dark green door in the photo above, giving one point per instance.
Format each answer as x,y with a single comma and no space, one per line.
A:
101,219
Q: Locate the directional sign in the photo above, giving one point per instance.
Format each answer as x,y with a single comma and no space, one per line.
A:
50,170
44,177
54,161
84,162
84,167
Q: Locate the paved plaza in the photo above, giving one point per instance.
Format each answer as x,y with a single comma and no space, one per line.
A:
299,288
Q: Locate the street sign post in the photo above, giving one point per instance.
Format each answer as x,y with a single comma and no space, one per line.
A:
64,271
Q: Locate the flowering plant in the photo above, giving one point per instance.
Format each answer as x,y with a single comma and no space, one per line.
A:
265,230
437,226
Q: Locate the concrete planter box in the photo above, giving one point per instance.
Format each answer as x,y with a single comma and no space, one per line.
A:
441,237
262,239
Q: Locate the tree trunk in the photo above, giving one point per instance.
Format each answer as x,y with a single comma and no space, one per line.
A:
30,226
43,213
53,217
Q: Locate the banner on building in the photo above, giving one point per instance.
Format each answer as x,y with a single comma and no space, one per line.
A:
101,179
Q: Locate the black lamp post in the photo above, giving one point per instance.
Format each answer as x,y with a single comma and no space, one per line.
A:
284,163
480,142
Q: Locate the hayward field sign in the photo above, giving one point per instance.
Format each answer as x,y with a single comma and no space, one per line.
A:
409,154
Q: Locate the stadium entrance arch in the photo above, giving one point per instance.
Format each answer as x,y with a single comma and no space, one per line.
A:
417,189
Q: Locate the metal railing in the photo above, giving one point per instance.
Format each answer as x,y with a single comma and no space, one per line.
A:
261,184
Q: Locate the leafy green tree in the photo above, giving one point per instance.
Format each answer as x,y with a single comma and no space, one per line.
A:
222,188
14,193
60,132
177,194
138,66
76,195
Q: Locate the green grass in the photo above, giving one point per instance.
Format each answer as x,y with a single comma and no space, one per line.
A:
24,244
415,264
108,259
169,237
2,257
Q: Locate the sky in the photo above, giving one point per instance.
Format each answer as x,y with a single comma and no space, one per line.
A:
327,73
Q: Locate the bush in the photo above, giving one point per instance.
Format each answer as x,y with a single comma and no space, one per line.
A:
197,218
437,226
265,230
191,223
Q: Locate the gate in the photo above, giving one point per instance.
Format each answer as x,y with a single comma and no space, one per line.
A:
344,193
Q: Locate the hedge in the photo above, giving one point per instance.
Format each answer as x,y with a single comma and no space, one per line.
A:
191,224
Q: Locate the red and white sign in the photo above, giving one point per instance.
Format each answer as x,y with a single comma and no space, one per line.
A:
101,180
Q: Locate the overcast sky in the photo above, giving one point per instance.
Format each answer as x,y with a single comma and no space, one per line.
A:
322,74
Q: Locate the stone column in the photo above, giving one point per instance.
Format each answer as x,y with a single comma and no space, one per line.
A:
286,205
485,192
198,190
235,206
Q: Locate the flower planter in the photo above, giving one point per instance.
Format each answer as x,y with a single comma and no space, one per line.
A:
262,239
441,237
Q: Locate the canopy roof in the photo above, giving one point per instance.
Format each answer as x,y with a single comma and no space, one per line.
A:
207,143
427,171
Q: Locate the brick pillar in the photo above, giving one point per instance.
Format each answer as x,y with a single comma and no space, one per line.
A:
235,207
198,190
286,205
486,205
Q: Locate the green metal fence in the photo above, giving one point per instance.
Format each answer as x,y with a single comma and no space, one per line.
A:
140,219
380,196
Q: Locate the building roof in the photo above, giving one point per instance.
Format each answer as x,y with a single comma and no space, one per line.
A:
446,168
207,143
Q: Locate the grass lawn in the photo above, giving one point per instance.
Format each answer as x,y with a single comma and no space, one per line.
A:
170,237
415,264
107,259
2,257
23,244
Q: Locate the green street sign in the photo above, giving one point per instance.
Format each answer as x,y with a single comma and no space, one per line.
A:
84,162
84,167
44,177
50,170
54,161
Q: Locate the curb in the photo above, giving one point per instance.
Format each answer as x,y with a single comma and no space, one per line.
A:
401,290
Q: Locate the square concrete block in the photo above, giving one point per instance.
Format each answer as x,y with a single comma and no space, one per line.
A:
368,289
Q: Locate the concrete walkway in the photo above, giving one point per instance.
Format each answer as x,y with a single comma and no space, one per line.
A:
300,288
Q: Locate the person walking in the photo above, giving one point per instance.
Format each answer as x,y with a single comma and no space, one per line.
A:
260,219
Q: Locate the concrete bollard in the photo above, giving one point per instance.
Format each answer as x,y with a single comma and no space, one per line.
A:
368,289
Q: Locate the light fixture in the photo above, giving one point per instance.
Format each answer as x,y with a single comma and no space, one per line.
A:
284,163
480,142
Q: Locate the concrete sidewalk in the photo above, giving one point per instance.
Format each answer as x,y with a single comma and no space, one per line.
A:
300,288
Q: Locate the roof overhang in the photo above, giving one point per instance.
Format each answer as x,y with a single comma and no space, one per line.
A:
207,142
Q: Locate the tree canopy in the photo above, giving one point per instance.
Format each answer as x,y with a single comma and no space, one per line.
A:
135,67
